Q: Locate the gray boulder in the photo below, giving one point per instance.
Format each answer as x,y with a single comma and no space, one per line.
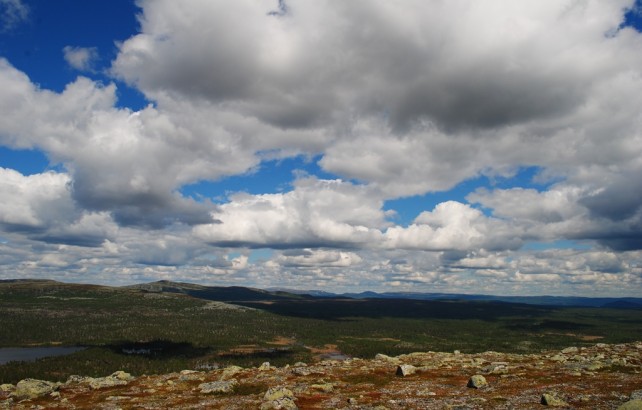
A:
279,398
477,382
218,387
406,370
119,378
549,399
631,405
284,403
32,389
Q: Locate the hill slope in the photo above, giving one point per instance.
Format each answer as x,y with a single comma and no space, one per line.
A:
219,293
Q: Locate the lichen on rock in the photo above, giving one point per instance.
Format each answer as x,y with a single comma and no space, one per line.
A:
32,388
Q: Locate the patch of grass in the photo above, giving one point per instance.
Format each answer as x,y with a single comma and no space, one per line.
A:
376,378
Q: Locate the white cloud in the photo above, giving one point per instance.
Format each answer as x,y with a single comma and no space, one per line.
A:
315,213
417,97
41,206
399,99
12,13
610,215
30,200
81,58
453,226
318,258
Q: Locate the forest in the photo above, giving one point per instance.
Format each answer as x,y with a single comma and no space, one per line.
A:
145,330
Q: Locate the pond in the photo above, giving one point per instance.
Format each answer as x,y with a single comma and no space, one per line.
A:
30,354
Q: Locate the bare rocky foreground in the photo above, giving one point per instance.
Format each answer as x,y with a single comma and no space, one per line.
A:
598,377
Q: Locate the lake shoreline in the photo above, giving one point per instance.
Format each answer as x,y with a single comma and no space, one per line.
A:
31,354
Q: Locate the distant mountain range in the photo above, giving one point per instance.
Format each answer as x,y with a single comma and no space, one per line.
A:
240,293
615,303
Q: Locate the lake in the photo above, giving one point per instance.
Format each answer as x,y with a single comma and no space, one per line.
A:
30,354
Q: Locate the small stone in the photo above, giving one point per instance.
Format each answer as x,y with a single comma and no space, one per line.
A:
571,349
7,387
559,358
191,375
74,378
477,382
284,403
352,400
275,393
636,395
218,387
265,366
549,399
121,375
119,378
301,371
406,370
456,352
230,371
631,405
279,398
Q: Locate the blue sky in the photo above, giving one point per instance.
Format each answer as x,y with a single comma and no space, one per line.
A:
476,147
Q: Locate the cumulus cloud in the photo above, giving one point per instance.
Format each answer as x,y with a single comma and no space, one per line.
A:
41,206
315,213
396,99
453,226
81,58
611,215
318,258
418,59
435,93
127,163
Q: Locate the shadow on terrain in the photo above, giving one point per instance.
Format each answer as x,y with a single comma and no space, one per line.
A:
348,309
263,354
158,349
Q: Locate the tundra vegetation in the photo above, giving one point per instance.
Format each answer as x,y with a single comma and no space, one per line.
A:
162,329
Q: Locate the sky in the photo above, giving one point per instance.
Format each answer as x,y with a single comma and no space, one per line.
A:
467,146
